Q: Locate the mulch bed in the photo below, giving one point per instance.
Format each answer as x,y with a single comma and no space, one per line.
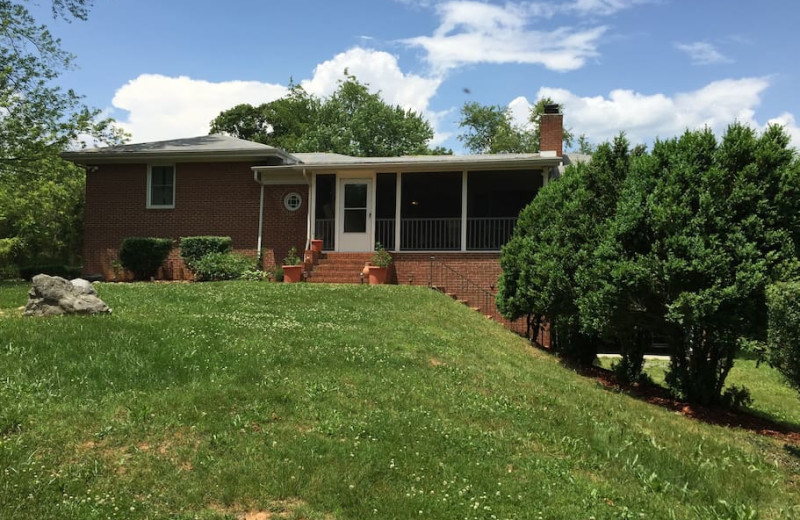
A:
659,396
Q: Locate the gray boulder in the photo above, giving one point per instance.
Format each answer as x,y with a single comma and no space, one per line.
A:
84,286
53,295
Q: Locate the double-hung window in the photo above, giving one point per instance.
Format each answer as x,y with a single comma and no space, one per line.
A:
161,186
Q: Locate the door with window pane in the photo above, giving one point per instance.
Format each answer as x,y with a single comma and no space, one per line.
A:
355,215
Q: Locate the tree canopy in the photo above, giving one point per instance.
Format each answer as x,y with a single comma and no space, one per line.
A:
40,195
491,129
352,121
684,242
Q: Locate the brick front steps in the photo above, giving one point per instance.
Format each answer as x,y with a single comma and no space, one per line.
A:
339,268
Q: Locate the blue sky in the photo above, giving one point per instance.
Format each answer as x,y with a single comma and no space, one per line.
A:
651,68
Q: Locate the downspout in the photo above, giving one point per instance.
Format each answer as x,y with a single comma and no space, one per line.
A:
260,216
308,212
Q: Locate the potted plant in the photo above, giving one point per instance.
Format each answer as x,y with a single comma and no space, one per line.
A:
316,246
292,268
379,268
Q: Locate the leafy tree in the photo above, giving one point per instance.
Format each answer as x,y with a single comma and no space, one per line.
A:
38,118
584,146
491,129
41,196
352,121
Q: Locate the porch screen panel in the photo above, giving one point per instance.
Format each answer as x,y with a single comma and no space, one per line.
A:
430,215
385,203
325,211
494,200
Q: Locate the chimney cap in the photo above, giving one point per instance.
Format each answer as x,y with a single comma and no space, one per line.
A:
552,108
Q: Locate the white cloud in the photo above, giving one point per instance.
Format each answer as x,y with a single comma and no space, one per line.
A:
476,32
644,117
381,71
383,74
603,7
702,53
163,107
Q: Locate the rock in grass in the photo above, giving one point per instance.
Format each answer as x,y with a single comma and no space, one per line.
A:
53,295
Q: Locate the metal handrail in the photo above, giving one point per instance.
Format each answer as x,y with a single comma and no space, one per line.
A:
449,279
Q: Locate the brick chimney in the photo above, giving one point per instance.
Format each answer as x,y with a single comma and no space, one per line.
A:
551,129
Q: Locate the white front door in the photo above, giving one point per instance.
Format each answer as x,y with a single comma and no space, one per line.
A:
355,215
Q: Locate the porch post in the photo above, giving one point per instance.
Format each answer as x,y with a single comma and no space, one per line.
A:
398,199
464,179
372,210
545,176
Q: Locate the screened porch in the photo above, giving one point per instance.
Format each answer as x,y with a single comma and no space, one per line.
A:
433,211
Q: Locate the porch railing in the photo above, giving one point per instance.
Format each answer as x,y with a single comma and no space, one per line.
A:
430,234
324,230
384,232
489,233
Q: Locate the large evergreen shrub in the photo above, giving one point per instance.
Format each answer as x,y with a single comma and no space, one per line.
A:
783,339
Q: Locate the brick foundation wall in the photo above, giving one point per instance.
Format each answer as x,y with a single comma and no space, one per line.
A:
415,268
483,269
210,199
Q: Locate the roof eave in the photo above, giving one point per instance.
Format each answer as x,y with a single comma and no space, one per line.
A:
172,156
417,165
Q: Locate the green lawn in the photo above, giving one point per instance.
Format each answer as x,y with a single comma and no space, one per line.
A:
341,402
772,398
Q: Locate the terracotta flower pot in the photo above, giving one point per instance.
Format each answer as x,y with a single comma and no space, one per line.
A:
292,273
378,275
316,246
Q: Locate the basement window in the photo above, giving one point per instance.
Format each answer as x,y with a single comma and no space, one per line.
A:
161,186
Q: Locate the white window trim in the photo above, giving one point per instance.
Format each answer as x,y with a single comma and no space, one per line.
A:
148,195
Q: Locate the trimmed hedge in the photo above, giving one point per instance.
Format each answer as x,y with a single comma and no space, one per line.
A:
195,248
783,336
222,266
144,255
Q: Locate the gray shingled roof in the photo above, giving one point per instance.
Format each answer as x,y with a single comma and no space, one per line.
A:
205,146
318,159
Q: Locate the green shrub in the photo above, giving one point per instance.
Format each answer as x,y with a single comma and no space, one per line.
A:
222,266
783,334
254,275
53,269
278,276
144,255
195,248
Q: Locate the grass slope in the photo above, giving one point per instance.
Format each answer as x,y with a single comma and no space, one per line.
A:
219,400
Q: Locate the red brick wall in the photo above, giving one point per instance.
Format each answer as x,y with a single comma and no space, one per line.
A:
415,268
483,269
552,133
210,199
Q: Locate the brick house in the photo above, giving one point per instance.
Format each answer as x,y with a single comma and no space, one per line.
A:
458,209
